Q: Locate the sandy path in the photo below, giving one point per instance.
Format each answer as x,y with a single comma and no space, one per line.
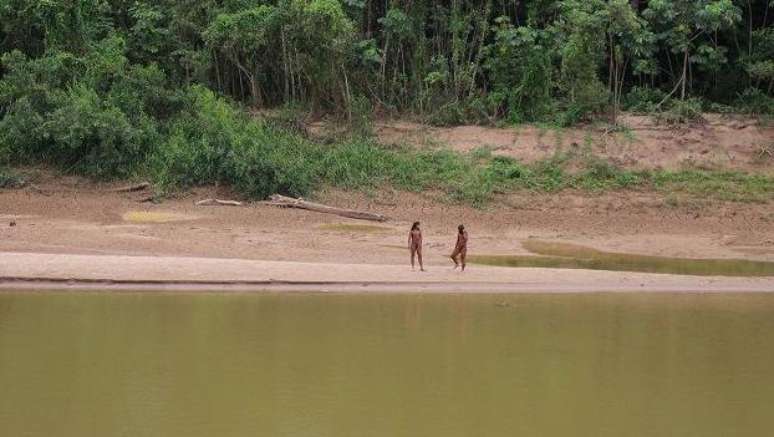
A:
37,271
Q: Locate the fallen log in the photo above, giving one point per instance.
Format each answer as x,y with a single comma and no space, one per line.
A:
131,188
289,202
208,202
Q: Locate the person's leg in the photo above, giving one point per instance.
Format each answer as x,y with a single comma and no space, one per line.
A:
413,253
454,258
463,255
419,256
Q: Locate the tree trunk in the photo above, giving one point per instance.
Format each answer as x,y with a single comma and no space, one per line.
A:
685,73
285,66
611,86
750,27
384,63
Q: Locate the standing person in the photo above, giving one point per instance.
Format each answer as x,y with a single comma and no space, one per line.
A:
415,245
460,248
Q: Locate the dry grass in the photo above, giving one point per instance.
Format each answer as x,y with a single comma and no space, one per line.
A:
154,217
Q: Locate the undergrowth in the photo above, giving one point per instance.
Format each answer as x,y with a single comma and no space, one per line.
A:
9,179
211,141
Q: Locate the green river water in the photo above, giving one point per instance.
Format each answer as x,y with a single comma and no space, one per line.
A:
218,365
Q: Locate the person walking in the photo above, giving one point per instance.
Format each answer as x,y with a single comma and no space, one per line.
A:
460,248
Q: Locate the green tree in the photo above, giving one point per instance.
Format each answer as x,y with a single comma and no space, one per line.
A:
520,70
684,26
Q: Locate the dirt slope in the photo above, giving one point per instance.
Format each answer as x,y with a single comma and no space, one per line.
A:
719,142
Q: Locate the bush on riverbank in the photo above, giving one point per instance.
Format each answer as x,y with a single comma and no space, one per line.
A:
9,179
206,140
101,126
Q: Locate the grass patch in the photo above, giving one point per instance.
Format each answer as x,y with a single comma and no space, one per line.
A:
154,217
9,179
720,185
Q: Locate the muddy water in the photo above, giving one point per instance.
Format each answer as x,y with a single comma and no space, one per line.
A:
77,365
572,256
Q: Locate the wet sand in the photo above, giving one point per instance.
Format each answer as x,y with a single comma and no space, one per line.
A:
105,272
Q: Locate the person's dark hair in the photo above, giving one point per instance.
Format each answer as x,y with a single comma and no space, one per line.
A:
461,228
415,226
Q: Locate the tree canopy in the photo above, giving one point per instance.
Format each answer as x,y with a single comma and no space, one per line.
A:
101,86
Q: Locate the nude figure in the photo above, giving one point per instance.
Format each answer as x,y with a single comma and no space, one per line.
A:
460,248
415,245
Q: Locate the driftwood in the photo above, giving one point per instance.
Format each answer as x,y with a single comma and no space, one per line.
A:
289,202
766,151
208,202
137,187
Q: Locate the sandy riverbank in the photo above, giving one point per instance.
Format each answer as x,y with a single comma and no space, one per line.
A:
69,229
105,272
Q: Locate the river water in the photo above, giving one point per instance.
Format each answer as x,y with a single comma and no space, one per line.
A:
216,365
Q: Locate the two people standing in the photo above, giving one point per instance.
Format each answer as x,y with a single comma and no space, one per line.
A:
458,255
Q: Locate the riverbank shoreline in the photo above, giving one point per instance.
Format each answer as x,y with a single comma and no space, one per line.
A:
62,272
76,234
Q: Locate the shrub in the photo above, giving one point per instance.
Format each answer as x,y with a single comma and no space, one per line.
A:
21,138
213,142
643,99
90,136
756,102
600,175
8,179
682,111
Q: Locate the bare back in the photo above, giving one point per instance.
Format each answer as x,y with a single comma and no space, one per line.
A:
462,242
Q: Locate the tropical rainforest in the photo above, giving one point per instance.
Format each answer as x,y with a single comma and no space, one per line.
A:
173,89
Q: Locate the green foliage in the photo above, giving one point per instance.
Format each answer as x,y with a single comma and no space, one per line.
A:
112,89
756,102
601,175
299,48
89,135
732,186
96,115
643,99
9,179
212,142
681,112
520,70
558,61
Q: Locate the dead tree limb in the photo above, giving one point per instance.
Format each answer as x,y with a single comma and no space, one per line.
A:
137,187
289,202
209,202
